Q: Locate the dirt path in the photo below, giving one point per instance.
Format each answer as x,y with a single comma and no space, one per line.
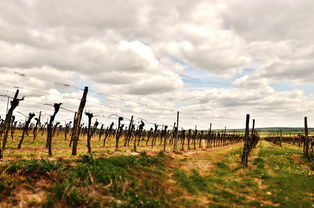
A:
203,161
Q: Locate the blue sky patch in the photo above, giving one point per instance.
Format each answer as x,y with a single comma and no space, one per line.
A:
308,89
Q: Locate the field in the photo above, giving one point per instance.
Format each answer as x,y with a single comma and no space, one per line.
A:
212,177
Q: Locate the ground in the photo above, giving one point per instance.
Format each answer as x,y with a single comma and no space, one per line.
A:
276,177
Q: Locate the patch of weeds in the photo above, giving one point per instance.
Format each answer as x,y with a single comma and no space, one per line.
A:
193,183
290,183
289,189
181,176
309,163
190,202
198,181
238,167
120,178
7,186
35,166
222,169
227,197
259,162
136,199
247,182
233,184
86,158
146,160
222,165
66,194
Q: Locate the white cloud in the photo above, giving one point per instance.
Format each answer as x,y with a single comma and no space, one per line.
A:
131,52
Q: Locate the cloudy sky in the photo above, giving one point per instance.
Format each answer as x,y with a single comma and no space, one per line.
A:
212,60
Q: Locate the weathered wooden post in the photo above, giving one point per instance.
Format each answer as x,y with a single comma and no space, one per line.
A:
177,132
164,135
129,134
224,136
77,122
244,158
253,127
195,137
306,140
280,139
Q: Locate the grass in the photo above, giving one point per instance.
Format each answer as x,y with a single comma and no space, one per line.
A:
119,181
276,177
273,179
289,183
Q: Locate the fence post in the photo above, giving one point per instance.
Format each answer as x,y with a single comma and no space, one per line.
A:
306,139
177,132
77,122
246,141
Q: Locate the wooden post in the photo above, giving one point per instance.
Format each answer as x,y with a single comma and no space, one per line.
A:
177,132
77,122
253,127
306,139
164,135
280,140
246,141
129,134
224,137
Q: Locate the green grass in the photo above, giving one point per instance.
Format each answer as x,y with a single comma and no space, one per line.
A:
290,184
274,179
120,181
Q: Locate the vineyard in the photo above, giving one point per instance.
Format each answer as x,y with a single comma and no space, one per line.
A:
126,164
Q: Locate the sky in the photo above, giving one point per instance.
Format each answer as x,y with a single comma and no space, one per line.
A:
214,61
